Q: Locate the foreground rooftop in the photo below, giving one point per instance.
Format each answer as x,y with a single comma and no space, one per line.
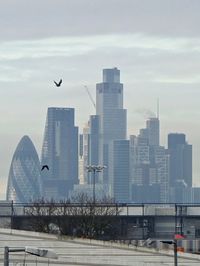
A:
84,252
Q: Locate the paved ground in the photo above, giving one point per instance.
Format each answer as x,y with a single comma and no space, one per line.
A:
78,253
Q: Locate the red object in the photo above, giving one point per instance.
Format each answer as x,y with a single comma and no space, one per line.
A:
180,249
178,236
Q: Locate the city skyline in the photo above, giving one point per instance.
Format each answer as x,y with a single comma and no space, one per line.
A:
157,60
136,168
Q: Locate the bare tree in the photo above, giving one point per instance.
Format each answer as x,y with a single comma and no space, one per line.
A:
78,216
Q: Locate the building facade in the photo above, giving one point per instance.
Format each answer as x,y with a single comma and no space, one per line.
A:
180,153
120,171
153,131
112,116
24,175
60,153
149,165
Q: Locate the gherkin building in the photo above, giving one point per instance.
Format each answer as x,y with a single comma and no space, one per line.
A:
24,175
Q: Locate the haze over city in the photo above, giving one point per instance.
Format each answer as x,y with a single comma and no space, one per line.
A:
155,44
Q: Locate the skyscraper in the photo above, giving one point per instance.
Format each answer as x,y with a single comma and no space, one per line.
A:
149,165
91,147
86,146
153,131
94,140
119,172
23,181
60,153
180,159
112,116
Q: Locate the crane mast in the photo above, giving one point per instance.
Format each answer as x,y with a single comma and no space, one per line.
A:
90,96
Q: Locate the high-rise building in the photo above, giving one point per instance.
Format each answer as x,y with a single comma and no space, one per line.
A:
24,175
180,153
112,116
120,171
149,165
81,145
153,131
91,147
60,153
81,161
94,140
161,161
175,139
86,146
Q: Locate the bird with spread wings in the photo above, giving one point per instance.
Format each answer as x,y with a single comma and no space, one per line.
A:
45,167
58,84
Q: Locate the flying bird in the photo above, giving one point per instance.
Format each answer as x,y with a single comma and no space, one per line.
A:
58,83
45,166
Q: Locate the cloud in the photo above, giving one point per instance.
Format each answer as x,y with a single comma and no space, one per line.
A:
145,113
26,19
71,46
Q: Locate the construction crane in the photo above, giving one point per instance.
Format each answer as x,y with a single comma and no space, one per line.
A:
91,98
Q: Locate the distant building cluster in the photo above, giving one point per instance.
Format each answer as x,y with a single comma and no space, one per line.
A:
136,168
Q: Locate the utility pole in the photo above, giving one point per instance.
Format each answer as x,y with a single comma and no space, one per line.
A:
6,256
175,253
172,242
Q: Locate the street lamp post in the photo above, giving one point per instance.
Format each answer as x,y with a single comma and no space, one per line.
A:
174,243
94,169
31,250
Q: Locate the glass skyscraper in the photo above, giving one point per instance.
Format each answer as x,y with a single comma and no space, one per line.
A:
23,181
112,116
149,165
180,159
153,131
60,153
119,171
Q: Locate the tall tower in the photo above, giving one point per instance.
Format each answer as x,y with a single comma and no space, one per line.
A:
24,175
112,116
149,165
120,171
180,159
60,153
153,131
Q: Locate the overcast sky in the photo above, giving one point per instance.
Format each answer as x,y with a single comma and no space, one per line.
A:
155,44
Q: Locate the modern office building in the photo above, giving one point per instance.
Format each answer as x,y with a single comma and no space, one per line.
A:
81,161
86,147
153,131
139,159
60,153
112,116
94,140
119,171
146,193
161,162
149,165
81,145
24,175
86,191
90,147
195,195
180,153
181,193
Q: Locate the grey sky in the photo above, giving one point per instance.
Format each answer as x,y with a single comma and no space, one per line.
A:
155,44
22,19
